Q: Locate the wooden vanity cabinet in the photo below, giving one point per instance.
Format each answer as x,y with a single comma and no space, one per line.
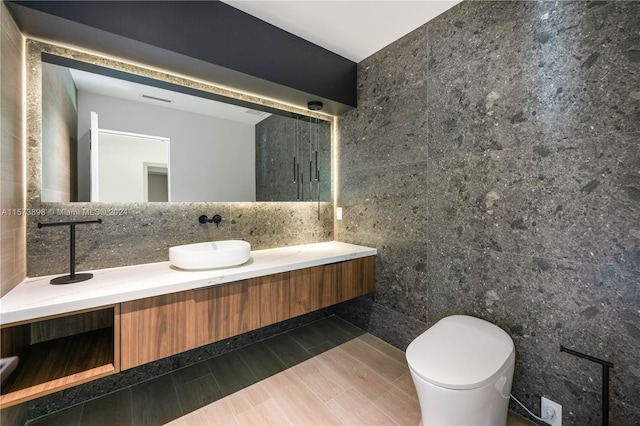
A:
60,352
161,326
157,327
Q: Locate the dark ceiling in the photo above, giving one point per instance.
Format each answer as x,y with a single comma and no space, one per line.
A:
205,39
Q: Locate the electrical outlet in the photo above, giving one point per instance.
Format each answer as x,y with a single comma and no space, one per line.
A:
338,213
546,407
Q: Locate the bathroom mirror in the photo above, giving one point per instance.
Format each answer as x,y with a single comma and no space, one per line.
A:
115,136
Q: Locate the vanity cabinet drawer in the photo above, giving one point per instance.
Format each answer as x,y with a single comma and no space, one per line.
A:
157,327
226,310
162,326
353,278
294,293
274,297
311,289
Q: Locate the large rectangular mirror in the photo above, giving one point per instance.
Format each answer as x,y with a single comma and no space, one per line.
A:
115,136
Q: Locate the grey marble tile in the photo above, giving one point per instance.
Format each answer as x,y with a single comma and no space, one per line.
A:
402,277
546,70
575,201
398,66
390,201
623,414
394,327
587,67
282,224
380,184
398,143
383,322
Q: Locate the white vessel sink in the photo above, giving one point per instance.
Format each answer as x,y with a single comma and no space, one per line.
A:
214,254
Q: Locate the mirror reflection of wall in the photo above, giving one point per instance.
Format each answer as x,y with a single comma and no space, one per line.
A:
213,149
212,158
157,183
59,135
125,163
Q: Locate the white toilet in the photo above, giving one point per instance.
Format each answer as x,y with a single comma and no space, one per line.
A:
462,368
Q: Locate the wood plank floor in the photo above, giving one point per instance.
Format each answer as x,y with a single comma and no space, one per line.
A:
364,381
326,373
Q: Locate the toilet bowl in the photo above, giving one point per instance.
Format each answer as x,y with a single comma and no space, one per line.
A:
462,368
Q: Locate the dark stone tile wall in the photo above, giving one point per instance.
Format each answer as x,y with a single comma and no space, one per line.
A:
493,161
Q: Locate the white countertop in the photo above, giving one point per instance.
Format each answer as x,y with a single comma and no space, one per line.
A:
37,298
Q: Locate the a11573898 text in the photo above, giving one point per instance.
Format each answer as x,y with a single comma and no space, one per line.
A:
66,212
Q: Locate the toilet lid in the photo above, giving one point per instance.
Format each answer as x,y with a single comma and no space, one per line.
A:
460,352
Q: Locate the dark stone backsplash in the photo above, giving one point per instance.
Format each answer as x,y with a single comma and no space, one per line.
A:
493,161
145,231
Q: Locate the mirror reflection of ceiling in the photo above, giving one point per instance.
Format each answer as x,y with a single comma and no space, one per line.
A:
128,90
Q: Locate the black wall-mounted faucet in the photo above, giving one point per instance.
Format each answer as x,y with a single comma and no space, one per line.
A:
215,219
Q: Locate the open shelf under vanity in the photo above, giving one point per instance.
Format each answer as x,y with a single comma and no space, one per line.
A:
60,352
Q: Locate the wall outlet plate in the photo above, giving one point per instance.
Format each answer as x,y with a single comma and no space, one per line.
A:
545,405
338,213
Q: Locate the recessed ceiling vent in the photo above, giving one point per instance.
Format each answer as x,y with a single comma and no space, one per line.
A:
157,99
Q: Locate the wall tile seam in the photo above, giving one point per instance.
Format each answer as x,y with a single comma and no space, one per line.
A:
368,236
530,256
387,166
383,239
430,160
383,132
